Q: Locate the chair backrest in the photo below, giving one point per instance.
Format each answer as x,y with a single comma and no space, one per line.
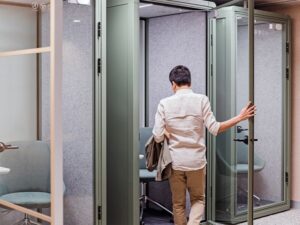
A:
242,153
29,168
241,156
145,134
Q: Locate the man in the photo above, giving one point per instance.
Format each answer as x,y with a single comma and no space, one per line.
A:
181,118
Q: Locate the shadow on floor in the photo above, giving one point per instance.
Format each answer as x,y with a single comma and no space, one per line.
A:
157,217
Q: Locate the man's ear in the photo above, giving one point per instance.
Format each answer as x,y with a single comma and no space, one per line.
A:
174,86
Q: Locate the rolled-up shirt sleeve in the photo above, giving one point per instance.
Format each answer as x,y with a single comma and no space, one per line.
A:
160,124
209,119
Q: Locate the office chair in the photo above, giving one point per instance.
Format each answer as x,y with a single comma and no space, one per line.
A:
145,175
28,183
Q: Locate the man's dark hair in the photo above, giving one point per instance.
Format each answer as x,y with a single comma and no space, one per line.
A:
181,75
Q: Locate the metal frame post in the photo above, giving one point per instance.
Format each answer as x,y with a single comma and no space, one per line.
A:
251,120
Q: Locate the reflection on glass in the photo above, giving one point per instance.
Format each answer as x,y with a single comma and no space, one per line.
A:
22,22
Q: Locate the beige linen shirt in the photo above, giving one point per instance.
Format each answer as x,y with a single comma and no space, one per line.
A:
184,116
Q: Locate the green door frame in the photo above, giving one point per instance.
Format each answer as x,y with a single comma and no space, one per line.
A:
100,202
227,15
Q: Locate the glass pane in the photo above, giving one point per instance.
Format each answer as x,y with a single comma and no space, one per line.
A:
22,22
268,150
24,161
225,147
241,131
269,42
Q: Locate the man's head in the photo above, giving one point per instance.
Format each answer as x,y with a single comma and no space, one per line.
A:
180,76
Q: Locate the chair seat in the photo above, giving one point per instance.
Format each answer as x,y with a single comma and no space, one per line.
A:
147,175
243,168
28,199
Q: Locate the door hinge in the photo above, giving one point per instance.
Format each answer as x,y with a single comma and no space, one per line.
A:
286,177
99,29
287,47
287,73
211,192
99,212
211,40
99,66
211,70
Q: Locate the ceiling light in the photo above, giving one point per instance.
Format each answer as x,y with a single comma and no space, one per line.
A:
80,2
147,5
76,21
84,2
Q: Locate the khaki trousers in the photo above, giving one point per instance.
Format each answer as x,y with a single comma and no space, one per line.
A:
194,182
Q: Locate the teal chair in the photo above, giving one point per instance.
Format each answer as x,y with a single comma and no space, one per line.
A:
28,183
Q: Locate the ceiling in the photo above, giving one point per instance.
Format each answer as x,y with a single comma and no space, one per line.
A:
149,10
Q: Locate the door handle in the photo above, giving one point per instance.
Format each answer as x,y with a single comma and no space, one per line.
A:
240,129
4,146
245,140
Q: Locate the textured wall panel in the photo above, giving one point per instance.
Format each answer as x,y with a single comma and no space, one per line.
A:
175,40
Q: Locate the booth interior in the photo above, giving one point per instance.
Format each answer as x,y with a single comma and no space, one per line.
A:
171,36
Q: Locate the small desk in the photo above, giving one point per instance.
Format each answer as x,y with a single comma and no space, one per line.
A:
4,170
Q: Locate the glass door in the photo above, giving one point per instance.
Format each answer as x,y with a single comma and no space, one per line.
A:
229,90
269,122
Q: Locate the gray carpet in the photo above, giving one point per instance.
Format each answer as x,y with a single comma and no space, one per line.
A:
156,217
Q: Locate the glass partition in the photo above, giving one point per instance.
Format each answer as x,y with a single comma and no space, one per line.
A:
30,164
